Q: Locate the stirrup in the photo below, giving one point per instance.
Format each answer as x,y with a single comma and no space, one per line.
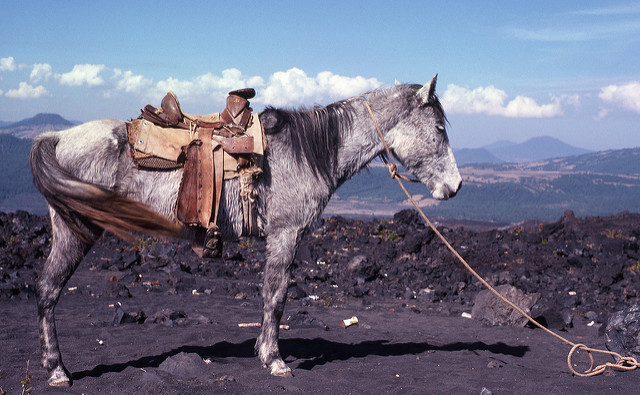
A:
212,247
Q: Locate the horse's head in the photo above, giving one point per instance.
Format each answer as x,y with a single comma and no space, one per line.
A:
419,140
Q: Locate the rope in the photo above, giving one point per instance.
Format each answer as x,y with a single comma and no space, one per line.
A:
622,363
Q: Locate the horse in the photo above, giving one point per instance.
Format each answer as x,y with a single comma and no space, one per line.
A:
91,184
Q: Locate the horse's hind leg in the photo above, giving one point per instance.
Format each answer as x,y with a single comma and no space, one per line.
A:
67,251
281,249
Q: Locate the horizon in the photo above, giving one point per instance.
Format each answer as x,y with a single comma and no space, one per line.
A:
506,72
485,146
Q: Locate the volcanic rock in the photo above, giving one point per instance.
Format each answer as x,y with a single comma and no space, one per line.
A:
490,309
122,317
623,332
302,319
185,365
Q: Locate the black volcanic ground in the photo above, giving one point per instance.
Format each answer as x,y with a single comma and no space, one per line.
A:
399,279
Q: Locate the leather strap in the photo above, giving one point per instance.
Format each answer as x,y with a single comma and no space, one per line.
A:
187,204
235,145
247,197
205,181
218,165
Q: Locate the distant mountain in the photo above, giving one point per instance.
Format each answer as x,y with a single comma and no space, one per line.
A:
467,156
17,191
623,161
599,183
31,127
500,144
537,148
4,123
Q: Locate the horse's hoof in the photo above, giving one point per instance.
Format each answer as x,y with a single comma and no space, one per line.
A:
279,369
282,373
59,378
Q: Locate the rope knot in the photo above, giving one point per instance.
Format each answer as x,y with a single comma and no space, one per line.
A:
393,170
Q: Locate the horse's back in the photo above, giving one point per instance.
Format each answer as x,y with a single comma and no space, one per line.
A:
90,136
91,150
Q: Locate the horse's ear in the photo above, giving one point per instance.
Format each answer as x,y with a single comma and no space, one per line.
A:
428,92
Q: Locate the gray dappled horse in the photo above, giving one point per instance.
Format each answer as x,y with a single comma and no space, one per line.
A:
90,183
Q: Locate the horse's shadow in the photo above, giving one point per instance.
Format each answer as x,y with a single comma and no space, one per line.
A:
310,352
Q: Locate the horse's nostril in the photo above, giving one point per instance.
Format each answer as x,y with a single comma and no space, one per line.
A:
454,192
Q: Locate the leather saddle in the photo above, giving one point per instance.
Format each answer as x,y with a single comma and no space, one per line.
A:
235,117
211,147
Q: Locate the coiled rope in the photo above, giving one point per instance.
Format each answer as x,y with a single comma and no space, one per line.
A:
622,363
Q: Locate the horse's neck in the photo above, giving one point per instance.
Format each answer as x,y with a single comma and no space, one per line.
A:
362,143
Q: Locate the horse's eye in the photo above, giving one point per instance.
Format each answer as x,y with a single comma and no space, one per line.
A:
440,128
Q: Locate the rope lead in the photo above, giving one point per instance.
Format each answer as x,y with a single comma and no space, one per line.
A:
622,363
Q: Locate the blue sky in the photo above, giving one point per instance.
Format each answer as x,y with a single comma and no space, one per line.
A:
507,70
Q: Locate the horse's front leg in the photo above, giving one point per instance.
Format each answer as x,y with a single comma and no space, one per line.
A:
281,249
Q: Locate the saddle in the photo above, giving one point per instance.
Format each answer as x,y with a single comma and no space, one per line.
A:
210,148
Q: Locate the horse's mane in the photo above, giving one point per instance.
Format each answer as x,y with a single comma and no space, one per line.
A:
315,134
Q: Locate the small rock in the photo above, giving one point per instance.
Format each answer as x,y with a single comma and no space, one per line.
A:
295,292
360,265
302,319
121,317
494,364
185,365
117,290
168,317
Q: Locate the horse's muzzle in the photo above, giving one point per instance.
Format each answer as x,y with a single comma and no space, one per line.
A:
446,191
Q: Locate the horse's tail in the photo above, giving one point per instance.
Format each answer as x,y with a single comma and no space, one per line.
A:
83,206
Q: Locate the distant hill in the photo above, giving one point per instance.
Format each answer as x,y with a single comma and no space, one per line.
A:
40,123
624,161
537,148
17,191
597,183
467,156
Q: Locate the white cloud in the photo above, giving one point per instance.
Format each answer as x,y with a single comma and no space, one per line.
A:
295,87
26,91
41,72
627,96
207,87
82,74
602,113
283,88
491,100
8,64
131,83
211,85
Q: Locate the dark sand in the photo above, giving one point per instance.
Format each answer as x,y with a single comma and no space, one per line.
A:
406,340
